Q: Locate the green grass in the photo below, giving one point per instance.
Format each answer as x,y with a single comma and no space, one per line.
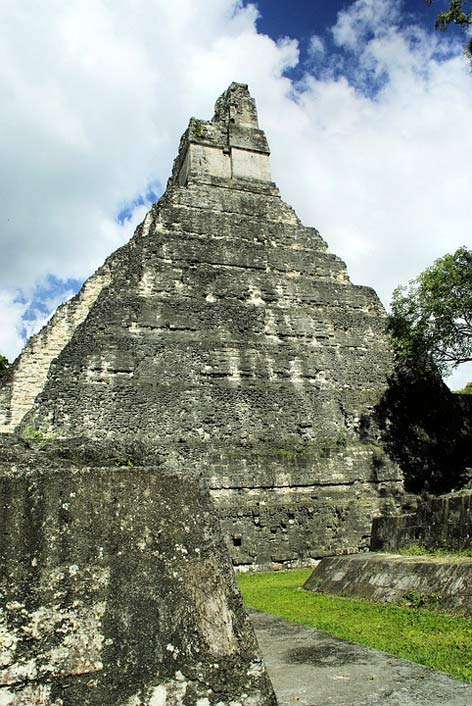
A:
424,636
420,550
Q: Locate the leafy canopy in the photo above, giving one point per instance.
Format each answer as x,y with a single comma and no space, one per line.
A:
432,316
4,365
458,13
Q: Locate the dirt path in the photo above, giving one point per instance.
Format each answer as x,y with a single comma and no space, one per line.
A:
310,668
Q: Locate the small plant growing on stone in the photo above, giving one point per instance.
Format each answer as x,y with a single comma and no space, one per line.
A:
34,436
4,365
198,128
378,457
416,599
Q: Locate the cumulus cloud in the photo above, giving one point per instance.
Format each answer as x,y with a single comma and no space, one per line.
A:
378,160
364,18
371,145
11,311
316,46
94,97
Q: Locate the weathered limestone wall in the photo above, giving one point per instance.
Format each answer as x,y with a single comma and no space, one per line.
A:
292,508
440,522
117,590
28,374
224,163
429,581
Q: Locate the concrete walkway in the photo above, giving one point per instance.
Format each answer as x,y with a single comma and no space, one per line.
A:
309,668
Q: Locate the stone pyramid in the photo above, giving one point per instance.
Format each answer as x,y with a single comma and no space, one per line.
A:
226,328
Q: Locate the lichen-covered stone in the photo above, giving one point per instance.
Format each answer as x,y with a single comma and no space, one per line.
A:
226,327
117,589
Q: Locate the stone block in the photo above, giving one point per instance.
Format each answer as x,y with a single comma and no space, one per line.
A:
117,590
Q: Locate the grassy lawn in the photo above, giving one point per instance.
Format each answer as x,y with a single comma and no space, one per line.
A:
431,638
420,550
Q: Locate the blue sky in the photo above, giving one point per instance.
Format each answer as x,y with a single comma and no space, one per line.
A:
302,18
366,108
152,194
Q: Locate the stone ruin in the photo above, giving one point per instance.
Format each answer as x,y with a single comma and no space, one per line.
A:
222,348
116,588
226,328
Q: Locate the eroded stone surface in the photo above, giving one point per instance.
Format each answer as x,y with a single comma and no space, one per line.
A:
117,590
28,374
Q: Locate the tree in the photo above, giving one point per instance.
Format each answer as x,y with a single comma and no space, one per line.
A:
432,316
425,428
458,13
4,365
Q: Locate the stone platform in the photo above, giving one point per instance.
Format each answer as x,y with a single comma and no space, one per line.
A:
309,668
445,582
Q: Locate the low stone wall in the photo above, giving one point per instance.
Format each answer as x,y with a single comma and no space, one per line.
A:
444,521
417,581
117,590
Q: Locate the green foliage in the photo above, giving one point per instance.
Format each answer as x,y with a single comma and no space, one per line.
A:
432,316
457,13
198,128
428,637
34,436
467,390
4,365
424,428
420,550
417,599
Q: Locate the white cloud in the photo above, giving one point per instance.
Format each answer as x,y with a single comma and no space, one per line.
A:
316,46
460,377
363,17
10,314
96,95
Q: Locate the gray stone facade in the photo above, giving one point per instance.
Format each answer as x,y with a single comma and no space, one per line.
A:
225,328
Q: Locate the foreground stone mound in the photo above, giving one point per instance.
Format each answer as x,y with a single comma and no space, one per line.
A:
227,328
116,588
416,581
